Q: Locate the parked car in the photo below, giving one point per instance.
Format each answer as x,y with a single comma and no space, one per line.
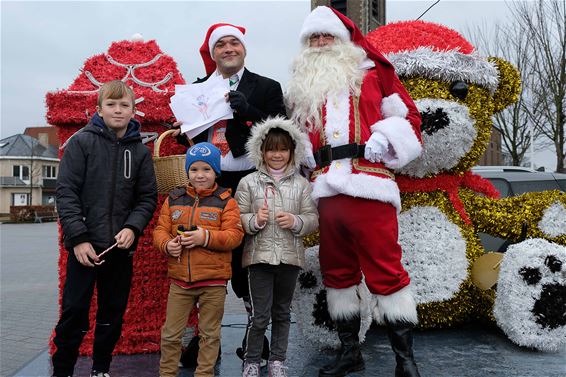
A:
515,180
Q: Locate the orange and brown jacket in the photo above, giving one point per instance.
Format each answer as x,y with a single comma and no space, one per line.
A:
212,209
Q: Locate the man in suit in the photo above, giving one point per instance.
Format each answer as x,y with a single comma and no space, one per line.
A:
253,98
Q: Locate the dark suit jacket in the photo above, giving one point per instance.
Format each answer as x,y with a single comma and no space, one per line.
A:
265,98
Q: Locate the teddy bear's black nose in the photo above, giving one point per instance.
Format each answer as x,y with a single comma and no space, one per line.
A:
434,120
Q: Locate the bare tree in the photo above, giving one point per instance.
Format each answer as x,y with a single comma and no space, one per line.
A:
544,23
507,42
534,40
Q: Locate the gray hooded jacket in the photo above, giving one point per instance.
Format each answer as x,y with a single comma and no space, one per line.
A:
273,244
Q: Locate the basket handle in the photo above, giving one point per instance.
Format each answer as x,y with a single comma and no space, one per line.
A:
157,144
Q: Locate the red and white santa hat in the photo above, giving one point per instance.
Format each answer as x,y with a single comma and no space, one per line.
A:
213,35
326,20
425,49
322,20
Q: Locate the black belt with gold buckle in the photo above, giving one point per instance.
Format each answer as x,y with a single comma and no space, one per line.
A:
325,155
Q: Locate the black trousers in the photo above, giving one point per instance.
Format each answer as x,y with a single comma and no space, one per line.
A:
239,281
271,293
113,280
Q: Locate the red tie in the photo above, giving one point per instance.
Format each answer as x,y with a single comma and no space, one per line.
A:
219,137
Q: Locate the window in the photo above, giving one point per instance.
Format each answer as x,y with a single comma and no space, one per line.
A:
502,186
21,172
20,199
534,186
340,5
49,171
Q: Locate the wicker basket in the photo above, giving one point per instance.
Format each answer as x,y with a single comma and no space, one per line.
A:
169,170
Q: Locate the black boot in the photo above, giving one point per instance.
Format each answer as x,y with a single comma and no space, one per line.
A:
401,338
349,358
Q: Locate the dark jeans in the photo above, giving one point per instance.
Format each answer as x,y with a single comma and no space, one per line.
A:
271,293
239,281
113,279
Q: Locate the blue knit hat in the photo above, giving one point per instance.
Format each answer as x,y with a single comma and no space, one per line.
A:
205,152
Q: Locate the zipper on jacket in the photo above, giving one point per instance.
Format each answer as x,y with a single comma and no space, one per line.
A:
114,172
190,226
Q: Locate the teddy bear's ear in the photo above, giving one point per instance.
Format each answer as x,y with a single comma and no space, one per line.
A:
509,87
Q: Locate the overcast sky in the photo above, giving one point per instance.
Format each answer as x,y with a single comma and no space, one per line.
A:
45,43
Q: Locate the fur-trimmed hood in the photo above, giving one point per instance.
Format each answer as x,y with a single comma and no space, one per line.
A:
259,132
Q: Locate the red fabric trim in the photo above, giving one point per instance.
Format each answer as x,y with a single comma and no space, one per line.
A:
451,185
199,284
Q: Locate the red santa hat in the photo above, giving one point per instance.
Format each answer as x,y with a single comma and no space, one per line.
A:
426,49
327,20
213,35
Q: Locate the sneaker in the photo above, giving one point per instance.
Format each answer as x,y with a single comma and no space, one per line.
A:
277,369
99,374
250,370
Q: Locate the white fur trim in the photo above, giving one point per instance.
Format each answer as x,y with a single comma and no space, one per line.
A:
323,20
343,303
366,317
305,300
400,134
224,31
393,105
396,307
356,185
448,66
260,131
337,125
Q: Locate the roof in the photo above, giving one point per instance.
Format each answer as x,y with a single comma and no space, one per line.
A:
23,145
51,132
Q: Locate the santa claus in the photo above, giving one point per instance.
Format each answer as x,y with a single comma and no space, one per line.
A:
362,124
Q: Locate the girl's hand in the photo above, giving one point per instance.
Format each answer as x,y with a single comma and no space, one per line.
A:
193,238
285,220
262,216
174,247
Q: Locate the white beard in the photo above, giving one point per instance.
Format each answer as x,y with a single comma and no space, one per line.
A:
319,72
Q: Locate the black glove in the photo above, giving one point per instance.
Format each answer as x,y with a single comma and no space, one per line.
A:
238,101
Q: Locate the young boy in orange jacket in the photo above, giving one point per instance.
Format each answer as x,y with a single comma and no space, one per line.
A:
198,227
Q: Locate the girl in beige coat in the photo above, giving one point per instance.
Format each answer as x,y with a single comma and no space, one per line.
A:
276,211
